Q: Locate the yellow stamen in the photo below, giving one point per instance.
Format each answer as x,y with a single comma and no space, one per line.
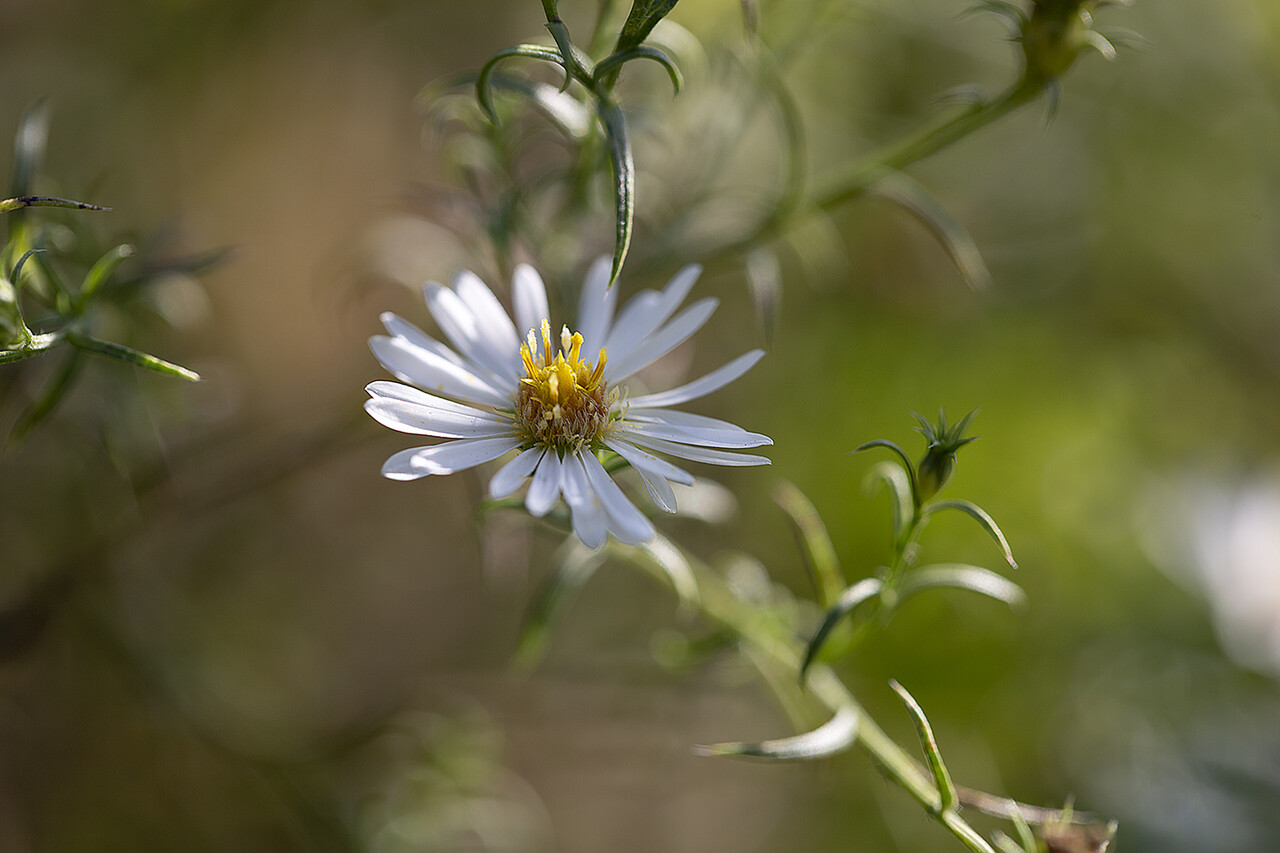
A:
561,401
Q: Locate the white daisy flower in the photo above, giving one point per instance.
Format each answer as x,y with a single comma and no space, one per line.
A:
558,407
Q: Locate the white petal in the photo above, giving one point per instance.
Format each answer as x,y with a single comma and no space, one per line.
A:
699,454
530,297
447,458
595,308
646,461
668,338
399,466
398,391
512,475
589,520
659,488
495,326
422,419
628,524
713,381
675,416
429,371
402,328
464,330
546,485
630,331
695,435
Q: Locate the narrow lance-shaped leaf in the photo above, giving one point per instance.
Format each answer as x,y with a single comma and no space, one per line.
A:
611,64
132,356
50,396
835,736
848,601
576,566
820,553
28,147
644,16
39,344
100,272
484,91
962,576
899,484
11,204
912,197
624,183
941,778
981,516
901,454
668,558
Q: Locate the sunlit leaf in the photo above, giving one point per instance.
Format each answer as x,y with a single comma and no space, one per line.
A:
576,564
820,553
39,345
962,576
624,183
53,392
645,15
132,356
981,516
100,272
11,204
611,64
764,282
847,602
28,147
912,197
484,93
835,736
941,777
673,564
907,464
899,485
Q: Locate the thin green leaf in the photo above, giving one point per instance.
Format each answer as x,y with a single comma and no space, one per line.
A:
11,204
941,778
644,16
577,564
764,283
673,564
847,602
902,454
484,93
1005,844
1008,11
835,736
912,197
1099,42
819,552
979,515
576,65
28,147
899,484
50,396
132,356
100,272
962,576
39,345
611,64
624,183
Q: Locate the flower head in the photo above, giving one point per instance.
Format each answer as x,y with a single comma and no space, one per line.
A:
559,402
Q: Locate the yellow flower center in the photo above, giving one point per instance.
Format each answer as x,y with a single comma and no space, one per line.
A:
562,402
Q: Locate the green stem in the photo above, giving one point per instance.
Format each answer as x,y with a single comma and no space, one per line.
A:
927,140
770,638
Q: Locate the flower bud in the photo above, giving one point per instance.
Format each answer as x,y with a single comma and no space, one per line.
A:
1054,34
939,461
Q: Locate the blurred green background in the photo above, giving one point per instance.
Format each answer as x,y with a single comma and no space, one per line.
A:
220,628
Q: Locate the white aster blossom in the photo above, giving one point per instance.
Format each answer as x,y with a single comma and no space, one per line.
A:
506,387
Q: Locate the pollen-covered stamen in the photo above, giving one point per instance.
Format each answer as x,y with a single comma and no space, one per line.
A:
562,401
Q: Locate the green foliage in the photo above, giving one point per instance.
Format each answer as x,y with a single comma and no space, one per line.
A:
39,312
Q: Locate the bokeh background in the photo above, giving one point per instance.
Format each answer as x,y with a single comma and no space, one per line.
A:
221,629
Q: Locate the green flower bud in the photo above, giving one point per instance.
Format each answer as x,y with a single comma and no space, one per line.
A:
939,460
1056,32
